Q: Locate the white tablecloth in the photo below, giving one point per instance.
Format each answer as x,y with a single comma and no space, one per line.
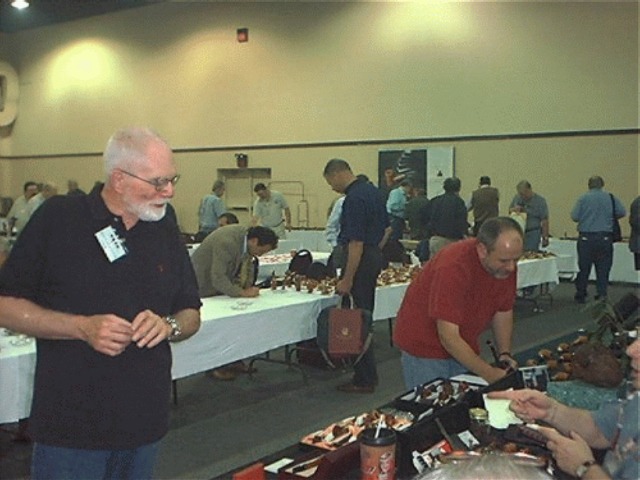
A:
269,321
622,269
537,272
17,366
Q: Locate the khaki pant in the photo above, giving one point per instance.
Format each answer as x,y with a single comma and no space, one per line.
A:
280,231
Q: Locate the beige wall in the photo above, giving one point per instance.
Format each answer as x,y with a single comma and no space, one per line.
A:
323,72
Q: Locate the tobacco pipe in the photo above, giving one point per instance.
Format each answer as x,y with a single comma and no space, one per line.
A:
496,357
494,352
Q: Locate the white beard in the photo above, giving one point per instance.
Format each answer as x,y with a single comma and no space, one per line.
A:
149,213
146,212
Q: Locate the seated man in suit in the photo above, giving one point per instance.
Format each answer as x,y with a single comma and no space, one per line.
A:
224,265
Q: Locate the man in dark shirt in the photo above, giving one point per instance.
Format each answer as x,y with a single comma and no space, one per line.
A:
417,213
362,227
103,281
448,222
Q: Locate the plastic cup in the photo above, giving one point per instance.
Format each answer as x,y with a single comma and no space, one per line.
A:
378,454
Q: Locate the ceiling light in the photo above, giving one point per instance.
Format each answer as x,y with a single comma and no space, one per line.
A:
20,4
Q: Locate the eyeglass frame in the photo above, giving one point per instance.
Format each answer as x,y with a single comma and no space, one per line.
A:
159,183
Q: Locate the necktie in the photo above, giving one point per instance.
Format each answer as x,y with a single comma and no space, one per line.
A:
246,275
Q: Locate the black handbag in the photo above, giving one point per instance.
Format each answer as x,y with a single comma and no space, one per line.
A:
616,233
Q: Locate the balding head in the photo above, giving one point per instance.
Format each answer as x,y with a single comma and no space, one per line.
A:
596,181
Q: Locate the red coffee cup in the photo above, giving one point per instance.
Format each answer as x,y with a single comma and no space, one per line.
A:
378,454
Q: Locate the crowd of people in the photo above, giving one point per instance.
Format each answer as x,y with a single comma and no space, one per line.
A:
104,283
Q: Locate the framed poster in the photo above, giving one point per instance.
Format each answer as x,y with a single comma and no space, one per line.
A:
425,168
439,167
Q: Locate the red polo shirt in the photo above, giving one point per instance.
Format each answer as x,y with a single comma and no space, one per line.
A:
452,286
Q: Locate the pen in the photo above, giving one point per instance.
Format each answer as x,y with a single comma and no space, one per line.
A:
306,465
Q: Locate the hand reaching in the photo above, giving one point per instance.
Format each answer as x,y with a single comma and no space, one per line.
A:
528,405
569,452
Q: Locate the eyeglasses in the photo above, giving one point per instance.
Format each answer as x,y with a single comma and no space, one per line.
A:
158,183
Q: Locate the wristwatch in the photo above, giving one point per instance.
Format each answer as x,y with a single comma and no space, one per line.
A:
176,329
582,469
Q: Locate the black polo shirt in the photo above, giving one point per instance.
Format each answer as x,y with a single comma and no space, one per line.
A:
448,216
364,215
82,398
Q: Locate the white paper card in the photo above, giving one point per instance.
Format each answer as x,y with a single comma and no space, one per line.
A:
500,416
275,466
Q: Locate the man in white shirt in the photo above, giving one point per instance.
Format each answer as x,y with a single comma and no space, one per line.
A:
49,189
268,209
18,216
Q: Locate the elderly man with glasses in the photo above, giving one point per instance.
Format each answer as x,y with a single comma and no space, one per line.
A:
104,284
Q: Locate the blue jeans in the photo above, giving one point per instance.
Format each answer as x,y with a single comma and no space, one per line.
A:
418,371
532,240
52,463
594,249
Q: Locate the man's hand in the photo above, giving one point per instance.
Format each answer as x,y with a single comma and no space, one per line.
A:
108,334
528,405
288,227
250,292
344,286
508,362
545,241
495,374
569,452
149,329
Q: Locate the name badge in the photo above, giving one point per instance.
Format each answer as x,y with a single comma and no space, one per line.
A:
112,245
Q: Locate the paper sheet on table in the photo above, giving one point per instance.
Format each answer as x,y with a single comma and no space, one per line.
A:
275,466
470,378
500,416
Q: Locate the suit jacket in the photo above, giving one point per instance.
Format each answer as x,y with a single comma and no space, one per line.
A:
218,259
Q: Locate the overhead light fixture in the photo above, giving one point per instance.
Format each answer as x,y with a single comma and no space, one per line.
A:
20,4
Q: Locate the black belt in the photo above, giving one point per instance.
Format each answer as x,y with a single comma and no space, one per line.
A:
532,229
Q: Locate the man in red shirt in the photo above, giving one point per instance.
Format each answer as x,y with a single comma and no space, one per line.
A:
467,287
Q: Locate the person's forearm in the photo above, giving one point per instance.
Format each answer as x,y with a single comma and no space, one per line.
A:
222,283
462,352
354,255
226,287
24,316
502,326
544,225
287,216
385,237
566,419
189,320
595,472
